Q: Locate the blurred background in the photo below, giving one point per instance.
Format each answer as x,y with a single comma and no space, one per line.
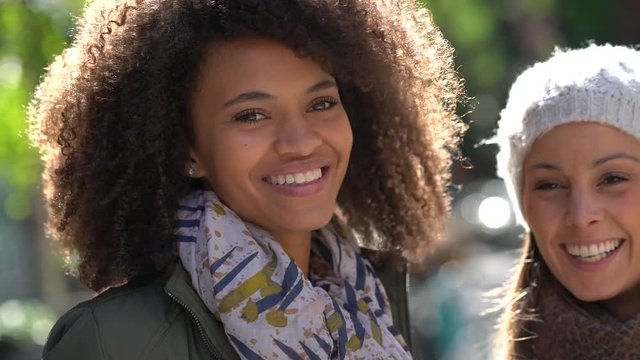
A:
494,40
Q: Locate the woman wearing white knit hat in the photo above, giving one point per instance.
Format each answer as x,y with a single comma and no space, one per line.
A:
569,141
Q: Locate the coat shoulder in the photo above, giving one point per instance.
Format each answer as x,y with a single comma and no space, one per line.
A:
126,322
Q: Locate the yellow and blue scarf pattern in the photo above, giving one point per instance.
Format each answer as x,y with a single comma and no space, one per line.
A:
268,308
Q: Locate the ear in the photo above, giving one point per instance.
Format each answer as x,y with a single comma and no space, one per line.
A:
193,167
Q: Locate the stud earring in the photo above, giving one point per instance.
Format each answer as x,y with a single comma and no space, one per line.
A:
191,172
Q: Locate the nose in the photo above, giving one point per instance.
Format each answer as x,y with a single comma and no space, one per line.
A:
584,209
297,136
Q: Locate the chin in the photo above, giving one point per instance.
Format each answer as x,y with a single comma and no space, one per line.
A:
306,223
313,225
592,295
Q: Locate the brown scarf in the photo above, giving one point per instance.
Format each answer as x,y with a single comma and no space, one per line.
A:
573,329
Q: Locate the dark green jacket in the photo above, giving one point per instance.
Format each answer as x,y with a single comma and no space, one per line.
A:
165,320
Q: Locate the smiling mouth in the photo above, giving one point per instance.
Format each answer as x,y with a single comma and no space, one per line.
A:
594,252
299,178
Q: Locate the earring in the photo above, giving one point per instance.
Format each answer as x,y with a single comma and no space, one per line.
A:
191,172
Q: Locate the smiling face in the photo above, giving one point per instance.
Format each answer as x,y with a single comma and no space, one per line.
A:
272,138
581,196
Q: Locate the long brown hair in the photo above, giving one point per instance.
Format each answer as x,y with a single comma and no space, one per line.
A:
517,323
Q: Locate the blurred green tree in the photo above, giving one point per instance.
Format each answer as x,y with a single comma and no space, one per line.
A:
31,32
496,39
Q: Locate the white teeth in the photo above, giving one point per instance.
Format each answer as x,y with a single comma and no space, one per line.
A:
313,175
594,252
593,259
290,179
297,178
584,251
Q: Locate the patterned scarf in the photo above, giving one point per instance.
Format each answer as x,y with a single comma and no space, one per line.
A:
573,329
268,308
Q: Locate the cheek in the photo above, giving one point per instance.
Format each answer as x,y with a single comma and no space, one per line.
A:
342,135
233,157
625,210
348,139
542,215
543,222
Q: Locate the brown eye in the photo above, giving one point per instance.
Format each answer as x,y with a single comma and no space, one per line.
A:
322,104
250,116
612,179
547,186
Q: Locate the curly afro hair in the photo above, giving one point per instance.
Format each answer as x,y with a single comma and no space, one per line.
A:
112,121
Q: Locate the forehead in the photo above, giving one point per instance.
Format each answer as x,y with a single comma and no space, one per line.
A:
584,140
258,62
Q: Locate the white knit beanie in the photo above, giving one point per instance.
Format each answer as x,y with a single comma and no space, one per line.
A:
599,83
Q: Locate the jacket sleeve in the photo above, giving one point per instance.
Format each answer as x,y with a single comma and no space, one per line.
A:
74,336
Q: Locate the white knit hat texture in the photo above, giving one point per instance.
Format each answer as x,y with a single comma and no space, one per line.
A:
599,83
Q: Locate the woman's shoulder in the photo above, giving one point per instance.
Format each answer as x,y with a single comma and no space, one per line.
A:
126,322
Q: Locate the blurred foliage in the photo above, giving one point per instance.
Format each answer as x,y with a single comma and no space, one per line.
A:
31,32
496,39
25,321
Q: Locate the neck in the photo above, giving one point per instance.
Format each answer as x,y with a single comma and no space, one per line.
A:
624,306
298,246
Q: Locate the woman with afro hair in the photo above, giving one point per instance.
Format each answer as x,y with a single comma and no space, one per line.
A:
225,173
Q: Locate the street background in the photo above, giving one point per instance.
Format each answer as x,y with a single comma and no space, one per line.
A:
494,40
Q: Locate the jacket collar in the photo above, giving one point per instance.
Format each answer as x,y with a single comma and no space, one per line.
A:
179,288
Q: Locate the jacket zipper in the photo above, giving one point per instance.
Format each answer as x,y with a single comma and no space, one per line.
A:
198,324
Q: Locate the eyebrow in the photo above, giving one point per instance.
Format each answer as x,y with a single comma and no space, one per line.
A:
545,166
599,162
248,96
260,95
619,155
322,85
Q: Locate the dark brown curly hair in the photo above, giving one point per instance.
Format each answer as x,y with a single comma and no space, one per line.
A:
111,118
